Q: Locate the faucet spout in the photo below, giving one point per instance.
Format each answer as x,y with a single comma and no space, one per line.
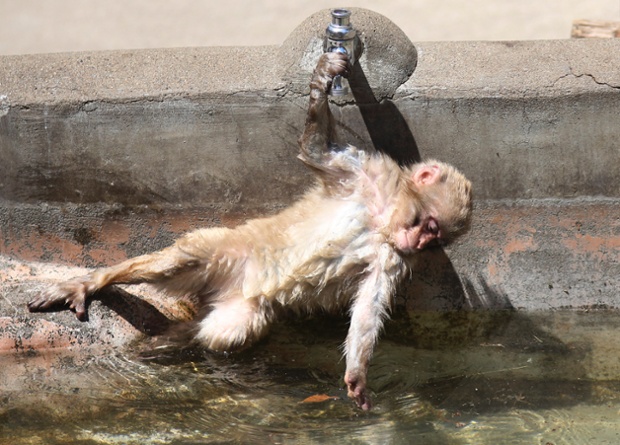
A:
340,36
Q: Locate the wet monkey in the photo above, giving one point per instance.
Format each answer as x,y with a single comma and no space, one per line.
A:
344,245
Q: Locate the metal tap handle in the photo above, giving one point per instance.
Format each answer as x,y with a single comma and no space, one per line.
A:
341,37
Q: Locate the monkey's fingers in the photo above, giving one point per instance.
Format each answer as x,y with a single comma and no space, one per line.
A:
337,64
356,389
331,65
361,398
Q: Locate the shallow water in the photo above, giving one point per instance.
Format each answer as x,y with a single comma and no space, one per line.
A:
437,378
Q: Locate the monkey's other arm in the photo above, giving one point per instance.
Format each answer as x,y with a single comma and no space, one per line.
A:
369,309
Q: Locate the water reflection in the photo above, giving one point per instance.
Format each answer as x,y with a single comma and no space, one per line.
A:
437,377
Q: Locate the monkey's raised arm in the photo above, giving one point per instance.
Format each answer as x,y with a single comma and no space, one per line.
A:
319,132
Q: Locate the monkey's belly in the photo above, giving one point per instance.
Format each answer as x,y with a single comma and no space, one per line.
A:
321,282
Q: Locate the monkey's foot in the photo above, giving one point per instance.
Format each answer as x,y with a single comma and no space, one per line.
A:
68,295
356,389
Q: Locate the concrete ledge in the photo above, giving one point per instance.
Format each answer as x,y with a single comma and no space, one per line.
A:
108,155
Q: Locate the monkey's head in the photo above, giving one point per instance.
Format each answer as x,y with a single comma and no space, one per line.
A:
439,209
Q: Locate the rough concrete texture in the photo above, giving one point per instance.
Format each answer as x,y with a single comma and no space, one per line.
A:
107,155
387,57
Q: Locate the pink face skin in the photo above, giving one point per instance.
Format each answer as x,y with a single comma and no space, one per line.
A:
417,237
425,229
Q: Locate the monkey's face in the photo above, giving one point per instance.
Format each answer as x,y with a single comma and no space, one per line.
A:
425,230
439,207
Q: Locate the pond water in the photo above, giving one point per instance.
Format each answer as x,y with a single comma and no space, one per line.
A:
437,378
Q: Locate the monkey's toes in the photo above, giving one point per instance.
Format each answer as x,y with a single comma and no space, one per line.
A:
39,304
80,311
50,301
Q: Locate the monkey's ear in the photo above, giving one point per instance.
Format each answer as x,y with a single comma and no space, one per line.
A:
427,174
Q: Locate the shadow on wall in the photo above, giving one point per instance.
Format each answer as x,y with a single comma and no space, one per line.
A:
390,134
387,127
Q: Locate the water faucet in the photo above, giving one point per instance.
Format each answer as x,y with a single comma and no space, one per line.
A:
341,37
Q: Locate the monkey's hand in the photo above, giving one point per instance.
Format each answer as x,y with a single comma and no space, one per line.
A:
319,131
71,295
356,389
329,66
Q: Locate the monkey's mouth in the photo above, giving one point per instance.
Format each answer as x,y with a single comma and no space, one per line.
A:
437,243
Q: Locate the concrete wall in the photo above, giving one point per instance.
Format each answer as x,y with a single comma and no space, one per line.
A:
106,155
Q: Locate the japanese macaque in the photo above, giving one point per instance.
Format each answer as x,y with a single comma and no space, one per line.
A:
345,244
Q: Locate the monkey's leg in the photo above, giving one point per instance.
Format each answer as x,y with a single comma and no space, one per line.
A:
319,128
367,314
235,322
151,268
